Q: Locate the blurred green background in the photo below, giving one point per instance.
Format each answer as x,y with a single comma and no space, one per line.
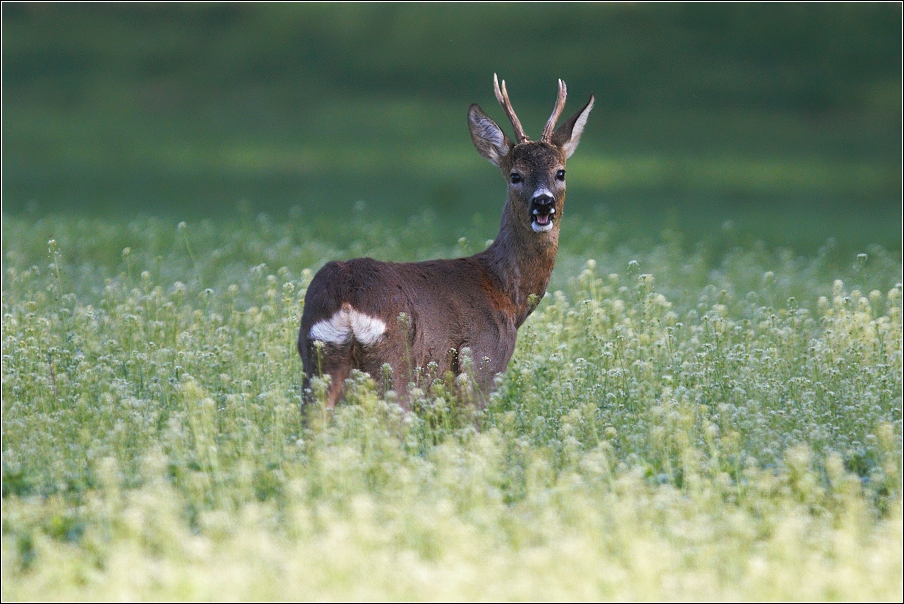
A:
776,122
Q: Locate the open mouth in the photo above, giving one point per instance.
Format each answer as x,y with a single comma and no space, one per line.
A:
543,215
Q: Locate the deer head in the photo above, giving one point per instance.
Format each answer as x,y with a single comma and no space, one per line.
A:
535,171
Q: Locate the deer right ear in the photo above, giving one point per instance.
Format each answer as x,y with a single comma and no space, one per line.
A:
490,140
568,135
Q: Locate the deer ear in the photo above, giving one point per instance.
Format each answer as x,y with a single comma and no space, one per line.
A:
568,135
490,140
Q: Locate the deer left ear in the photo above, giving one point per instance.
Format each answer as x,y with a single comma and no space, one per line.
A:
568,135
489,139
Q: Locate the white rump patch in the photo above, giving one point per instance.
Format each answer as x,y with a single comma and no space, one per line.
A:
348,324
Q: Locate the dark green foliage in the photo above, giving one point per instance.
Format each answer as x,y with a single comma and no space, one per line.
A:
782,121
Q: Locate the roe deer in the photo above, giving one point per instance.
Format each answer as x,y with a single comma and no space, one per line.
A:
363,313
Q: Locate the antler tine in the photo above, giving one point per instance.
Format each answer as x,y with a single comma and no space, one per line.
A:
556,112
502,97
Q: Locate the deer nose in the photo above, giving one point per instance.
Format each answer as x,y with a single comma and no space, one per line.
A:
543,203
543,197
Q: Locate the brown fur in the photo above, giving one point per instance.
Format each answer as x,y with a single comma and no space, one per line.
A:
476,302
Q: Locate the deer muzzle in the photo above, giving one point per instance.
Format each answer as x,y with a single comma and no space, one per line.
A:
543,212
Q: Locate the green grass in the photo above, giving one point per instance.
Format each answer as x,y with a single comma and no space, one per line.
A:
682,419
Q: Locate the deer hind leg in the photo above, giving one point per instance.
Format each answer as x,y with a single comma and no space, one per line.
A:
335,345
327,361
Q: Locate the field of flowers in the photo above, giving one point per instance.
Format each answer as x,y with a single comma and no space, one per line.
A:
679,421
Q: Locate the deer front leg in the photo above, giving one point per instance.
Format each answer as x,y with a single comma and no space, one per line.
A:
490,352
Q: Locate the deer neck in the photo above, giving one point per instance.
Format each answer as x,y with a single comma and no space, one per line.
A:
521,262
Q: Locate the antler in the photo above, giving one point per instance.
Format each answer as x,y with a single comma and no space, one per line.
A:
502,97
556,112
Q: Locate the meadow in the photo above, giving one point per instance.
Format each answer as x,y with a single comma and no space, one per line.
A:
706,405
681,420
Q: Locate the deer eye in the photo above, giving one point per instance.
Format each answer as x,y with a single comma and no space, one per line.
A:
515,178
560,175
